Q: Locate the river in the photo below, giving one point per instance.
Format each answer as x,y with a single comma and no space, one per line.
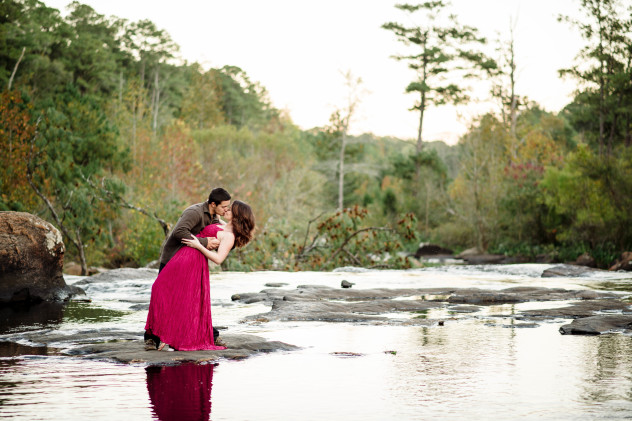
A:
476,366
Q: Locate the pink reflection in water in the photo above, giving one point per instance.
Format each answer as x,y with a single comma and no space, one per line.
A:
181,392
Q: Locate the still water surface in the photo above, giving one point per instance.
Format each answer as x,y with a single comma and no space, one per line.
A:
475,367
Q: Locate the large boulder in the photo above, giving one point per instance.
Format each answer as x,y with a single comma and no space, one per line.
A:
31,260
624,263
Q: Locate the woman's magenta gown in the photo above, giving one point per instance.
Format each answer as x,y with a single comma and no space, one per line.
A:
180,306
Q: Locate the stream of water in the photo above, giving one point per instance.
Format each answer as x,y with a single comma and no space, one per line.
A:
477,367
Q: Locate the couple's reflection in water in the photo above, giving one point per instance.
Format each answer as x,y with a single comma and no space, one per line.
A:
181,392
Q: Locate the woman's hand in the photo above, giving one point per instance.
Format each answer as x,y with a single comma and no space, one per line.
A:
192,242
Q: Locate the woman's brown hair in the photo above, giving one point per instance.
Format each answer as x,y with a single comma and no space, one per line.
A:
243,223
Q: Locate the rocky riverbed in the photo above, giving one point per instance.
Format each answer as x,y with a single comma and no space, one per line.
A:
452,337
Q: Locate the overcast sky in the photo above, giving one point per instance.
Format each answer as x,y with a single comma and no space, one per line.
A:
298,49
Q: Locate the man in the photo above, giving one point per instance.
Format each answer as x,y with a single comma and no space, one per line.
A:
192,221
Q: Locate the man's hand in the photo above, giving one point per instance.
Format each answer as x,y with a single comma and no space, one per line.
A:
213,243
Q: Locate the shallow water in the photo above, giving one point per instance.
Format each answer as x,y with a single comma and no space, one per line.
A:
485,365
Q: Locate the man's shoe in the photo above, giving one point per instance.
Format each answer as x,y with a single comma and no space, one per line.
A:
150,345
219,342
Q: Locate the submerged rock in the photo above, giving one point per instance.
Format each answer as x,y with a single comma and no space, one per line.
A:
596,325
31,260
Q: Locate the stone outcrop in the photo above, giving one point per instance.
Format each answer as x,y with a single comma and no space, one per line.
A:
624,263
379,305
567,271
596,325
586,260
239,346
121,274
432,250
31,260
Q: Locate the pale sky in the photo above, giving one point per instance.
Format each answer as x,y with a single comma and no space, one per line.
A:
298,50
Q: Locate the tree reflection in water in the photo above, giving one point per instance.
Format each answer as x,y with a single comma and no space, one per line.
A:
181,392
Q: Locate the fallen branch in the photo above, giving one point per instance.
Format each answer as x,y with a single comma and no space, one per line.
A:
341,248
304,250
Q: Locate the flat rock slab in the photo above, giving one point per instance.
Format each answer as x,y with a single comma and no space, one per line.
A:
122,274
331,311
133,351
580,309
568,271
596,325
379,306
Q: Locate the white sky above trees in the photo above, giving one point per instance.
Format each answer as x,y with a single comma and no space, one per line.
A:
298,50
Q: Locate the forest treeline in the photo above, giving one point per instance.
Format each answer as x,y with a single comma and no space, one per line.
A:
108,135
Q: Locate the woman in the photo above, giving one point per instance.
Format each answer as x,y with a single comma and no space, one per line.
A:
180,306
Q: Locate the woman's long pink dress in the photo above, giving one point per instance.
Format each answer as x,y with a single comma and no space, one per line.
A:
180,306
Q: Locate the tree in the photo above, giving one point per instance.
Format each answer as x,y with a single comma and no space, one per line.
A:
441,54
244,103
341,119
201,104
74,144
504,78
477,191
604,69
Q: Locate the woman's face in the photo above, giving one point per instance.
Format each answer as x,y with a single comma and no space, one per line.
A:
228,215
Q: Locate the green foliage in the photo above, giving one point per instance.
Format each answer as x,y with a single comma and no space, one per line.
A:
105,133
591,197
244,103
602,110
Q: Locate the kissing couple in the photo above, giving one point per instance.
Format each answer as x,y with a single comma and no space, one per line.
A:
179,315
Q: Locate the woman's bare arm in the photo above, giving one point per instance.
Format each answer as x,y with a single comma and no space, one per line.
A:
215,256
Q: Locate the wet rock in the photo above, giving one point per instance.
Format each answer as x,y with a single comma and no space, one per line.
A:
31,260
469,252
624,262
326,304
464,309
13,349
276,284
154,264
580,309
567,271
346,354
586,260
122,274
432,250
133,351
485,259
346,284
330,311
522,294
596,325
